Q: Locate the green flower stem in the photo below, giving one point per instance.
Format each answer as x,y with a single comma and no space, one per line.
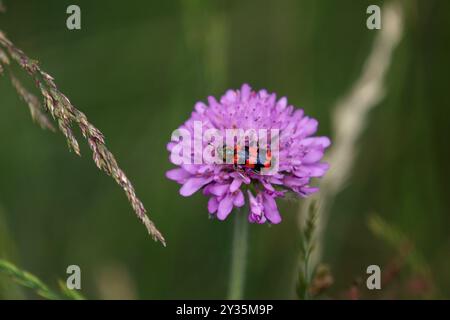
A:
238,256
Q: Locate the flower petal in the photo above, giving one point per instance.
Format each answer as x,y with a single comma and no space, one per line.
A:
225,207
178,175
192,185
310,126
292,181
313,170
312,156
213,204
245,92
239,200
217,189
236,184
305,191
271,209
323,142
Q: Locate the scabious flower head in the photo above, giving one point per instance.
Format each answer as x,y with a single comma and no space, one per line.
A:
228,185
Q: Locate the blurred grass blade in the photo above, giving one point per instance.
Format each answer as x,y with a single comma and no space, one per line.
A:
307,245
71,294
401,243
27,280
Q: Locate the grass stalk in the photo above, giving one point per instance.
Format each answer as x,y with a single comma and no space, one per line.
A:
28,280
67,116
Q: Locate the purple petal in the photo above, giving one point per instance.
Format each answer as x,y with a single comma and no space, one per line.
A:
314,170
256,209
236,184
178,175
191,168
312,156
311,127
244,179
200,107
225,207
254,218
192,185
271,210
308,190
251,199
323,142
170,146
292,181
318,170
267,185
239,200
281,104
245,92
213,204
217,189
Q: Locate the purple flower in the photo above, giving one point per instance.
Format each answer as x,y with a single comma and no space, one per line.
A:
292,149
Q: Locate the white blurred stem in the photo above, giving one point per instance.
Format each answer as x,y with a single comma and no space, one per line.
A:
350,117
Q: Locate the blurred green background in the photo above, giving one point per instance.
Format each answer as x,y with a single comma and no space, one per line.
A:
136,69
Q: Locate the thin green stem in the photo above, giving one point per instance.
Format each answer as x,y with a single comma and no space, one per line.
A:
238,256
307,277
27,280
